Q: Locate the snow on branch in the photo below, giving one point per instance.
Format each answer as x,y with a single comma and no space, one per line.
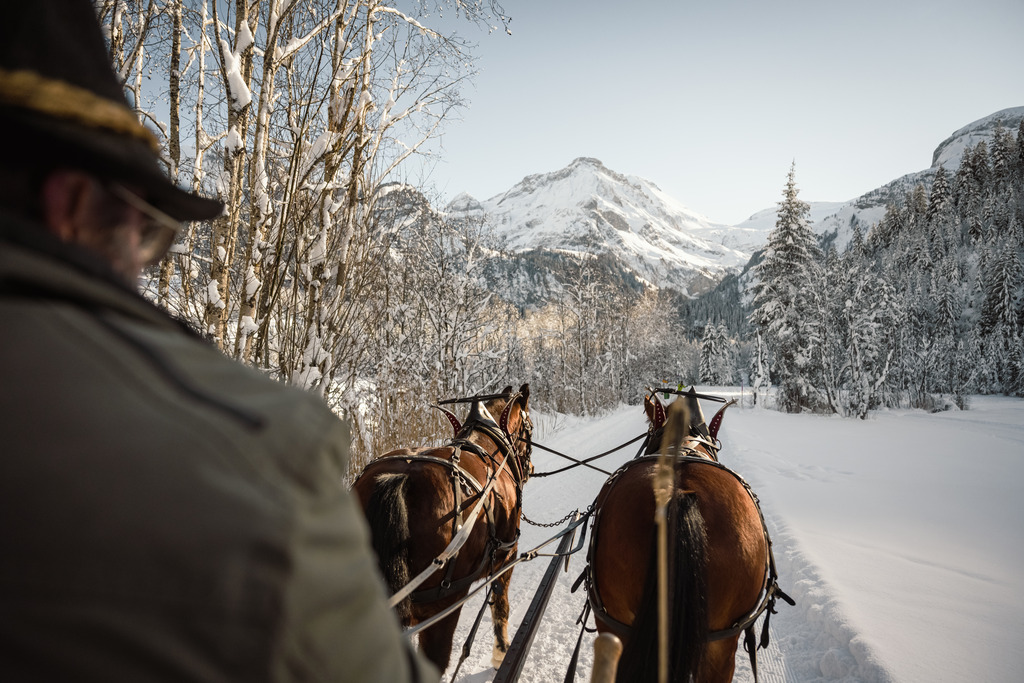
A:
296,44
406,18
238,89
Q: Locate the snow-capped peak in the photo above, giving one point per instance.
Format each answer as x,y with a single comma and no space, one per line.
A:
837,220
464,203
587,207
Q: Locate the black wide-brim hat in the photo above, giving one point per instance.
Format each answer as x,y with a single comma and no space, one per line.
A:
61,104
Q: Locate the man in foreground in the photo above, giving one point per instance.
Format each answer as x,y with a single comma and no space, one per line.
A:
165,513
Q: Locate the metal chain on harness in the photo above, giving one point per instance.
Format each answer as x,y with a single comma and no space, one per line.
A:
560,522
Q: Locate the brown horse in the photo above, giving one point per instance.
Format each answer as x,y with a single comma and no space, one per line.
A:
719,558
417,500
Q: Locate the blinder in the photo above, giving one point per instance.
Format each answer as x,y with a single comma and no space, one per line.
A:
480,418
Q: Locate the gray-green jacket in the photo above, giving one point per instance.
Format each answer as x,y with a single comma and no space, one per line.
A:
167,514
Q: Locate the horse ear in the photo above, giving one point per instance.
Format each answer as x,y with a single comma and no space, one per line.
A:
655,411
525,391
716,421
506,390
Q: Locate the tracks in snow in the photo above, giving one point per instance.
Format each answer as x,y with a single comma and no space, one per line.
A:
810,643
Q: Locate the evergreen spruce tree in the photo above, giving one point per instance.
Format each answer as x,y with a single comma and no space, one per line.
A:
708,352
947,296
725,356
882,235
1002,287
1003,155
869,317
974,229
917,203
857,244
1015,366
1020,151
980,164
989,360
940,200
783,306
965,191
715,357
1015,233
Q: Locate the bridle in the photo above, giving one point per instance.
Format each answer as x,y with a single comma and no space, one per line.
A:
516,448
523,458
697,442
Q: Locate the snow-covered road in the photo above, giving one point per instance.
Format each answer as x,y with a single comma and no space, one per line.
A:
901,537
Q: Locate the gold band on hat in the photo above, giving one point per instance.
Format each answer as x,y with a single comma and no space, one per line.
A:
60,100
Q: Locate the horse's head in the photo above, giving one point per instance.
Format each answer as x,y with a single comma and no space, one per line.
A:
516,423
657,415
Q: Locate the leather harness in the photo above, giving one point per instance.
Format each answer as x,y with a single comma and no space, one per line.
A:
769,592
466,488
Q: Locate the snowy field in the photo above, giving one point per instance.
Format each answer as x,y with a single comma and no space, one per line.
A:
901,538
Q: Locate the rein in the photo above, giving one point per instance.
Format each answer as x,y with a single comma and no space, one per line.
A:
587,461
526,556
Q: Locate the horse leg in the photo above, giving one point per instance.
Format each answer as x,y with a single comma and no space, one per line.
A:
436,641
499,615
719,661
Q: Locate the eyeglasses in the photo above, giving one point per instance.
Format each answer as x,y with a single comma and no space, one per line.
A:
159,231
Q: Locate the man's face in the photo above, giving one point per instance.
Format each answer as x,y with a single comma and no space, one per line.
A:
158,230
118,239
110,220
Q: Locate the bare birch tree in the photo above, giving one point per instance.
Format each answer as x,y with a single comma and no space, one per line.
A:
299,111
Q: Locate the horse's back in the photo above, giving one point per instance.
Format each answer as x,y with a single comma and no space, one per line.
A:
737,549
436,485
624,532
622,535
429,496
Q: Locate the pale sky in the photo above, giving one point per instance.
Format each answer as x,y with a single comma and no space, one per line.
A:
713,99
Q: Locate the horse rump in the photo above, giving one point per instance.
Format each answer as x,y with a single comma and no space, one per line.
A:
388,516
687,601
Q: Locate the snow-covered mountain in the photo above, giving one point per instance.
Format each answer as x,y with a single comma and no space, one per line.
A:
645,236
587,207
756,228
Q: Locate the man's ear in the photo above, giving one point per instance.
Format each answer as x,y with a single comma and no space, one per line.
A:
66,196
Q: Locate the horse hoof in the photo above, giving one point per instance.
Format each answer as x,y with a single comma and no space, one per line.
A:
497,658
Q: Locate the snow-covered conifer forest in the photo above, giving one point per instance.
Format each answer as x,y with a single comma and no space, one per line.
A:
328,272
927,304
